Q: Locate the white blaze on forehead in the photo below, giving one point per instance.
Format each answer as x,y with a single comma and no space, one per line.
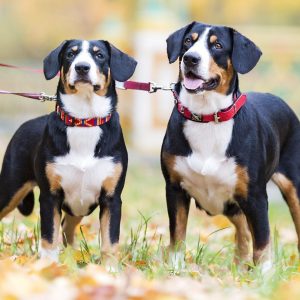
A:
84,56
201,48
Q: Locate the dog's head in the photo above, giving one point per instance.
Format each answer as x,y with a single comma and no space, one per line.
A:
88,64
211,56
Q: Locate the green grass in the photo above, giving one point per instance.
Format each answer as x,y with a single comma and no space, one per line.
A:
144,240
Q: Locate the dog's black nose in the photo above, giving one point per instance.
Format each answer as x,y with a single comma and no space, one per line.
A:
82,68
191,59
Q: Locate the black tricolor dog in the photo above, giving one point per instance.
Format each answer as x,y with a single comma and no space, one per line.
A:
225,164
76,155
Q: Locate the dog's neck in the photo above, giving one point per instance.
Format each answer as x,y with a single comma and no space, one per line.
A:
207,102
85,103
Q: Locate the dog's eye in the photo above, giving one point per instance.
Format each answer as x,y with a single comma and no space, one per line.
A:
99,55
218,45
187,41
71,54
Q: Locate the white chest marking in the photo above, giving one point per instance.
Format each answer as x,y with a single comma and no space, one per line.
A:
207,174
82,174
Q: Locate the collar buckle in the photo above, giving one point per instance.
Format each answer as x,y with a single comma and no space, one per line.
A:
216,118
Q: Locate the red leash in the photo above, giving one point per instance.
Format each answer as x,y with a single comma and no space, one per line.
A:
150,87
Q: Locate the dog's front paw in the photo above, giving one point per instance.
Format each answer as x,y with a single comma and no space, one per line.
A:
177,260
49,254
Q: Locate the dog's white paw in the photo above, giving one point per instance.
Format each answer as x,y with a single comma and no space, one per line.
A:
49,254
266,266
177,260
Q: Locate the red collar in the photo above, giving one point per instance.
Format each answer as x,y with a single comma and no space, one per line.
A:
220,116
71,121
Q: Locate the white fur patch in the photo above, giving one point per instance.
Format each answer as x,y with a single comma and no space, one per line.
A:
84,57
207,174
50,254
201,48
82,174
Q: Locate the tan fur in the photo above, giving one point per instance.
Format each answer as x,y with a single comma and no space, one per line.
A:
110,183
56,225
17,198
68,228
169,161
242,238
195,36
104,83
213,39
75,48
288,189
53,179
180,229
65,78
95,48
225,75
241,188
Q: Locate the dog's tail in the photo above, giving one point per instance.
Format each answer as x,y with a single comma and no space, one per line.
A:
27,204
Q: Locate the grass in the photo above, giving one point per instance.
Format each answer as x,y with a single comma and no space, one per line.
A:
144,240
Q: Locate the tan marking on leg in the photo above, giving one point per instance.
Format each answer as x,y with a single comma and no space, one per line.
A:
56,225
241,187
213,39
288,189
104,83
169,161
106,245
68,228
180,227
263,254
242,238
224,75
53,179
17,198
110,183
195,36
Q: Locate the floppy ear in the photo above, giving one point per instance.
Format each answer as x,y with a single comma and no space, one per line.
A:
52,62
122,66
175,41
245,54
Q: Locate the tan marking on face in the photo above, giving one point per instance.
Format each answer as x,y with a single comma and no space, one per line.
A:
169,161
242,238
65,78
74,48
53,179
104,83
17,198
68,228
110,183
241,187
95,48
225,75
180,229
213,39
195,36
56,225
288,189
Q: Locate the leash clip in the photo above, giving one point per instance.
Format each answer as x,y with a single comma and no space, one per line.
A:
216,117
155,87
43,97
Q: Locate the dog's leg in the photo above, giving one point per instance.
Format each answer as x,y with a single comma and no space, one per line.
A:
289,192
178,203
50,213
256,211
242,238
69,224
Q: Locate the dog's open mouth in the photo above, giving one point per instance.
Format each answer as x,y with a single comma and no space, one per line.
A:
195,83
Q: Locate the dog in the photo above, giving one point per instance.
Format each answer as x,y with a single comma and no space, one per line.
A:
221,147
76,155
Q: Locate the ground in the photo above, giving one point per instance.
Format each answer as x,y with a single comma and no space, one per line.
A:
144,271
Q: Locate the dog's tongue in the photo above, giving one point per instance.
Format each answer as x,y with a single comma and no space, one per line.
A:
192,84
